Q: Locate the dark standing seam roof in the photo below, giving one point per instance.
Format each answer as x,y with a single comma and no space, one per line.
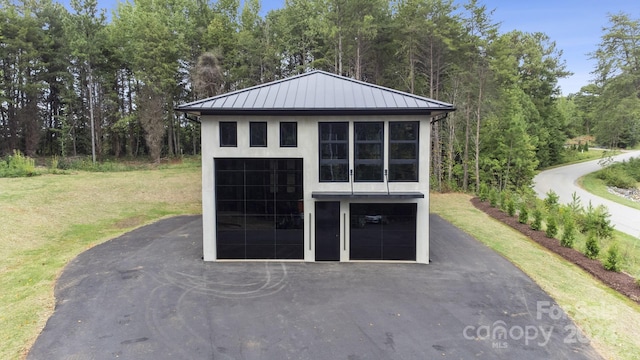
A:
315,93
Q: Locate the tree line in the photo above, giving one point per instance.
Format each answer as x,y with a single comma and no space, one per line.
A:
75,83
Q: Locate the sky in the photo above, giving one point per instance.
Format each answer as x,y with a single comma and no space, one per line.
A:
574,25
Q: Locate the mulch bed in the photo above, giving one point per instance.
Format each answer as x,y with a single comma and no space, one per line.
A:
621,282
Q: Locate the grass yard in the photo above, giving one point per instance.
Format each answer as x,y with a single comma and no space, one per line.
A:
48,220
610,320
598,187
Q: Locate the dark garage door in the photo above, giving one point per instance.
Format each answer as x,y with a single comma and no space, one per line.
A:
259,209
383,231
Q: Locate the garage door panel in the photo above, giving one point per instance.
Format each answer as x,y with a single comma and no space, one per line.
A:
382,231
289,251
400,253
227,251
366,252
261,251
258,216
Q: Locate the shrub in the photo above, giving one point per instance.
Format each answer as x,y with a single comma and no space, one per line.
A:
575,206
493,197
523,213
552,226
17,165
55,160
616,176
511,207
596,220
592,247
483,192
632,167
504,196
87,164
536,224
551,201
612,263
568,233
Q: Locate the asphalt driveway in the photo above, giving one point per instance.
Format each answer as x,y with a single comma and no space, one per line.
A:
148,295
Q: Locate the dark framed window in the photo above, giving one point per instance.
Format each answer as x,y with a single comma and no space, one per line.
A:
334,151
288,134
257,134
403,151
228,134
369,151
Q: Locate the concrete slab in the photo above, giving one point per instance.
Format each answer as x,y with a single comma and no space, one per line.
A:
148,295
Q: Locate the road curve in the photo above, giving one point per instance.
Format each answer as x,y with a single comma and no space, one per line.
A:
563,181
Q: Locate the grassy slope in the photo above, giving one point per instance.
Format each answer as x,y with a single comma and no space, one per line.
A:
610,320
48,220
597,187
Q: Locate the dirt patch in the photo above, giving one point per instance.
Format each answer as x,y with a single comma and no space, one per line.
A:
621,282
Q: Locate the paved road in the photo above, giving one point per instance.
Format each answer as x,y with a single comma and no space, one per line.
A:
148,295
563,181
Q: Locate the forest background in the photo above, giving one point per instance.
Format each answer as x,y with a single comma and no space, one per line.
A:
75,82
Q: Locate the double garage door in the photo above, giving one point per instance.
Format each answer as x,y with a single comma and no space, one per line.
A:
377,231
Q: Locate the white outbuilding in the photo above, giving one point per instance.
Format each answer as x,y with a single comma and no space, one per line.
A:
316,167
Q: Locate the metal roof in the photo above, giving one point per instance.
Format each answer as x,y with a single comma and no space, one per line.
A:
314,93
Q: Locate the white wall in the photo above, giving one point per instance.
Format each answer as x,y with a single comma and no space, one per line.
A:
308,150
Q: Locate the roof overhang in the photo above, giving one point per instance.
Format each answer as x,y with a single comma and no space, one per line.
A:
311,112
436,115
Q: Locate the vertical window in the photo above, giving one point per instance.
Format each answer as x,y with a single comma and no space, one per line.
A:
257,134
228,134
403,151
288,134
334,151
369,138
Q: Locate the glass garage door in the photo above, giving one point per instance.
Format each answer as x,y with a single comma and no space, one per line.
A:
259,210
383,231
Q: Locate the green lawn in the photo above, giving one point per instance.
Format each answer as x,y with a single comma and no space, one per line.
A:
597,186
610,320
48,220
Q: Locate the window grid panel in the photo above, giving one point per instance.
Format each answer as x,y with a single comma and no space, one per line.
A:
369,151
333,151
403,151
